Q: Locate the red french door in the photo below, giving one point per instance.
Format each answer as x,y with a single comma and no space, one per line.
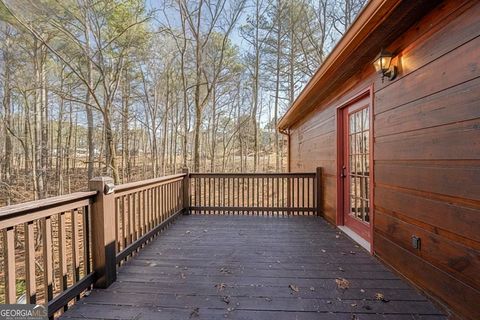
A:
356,167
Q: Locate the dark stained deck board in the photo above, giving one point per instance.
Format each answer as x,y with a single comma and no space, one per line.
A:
256,258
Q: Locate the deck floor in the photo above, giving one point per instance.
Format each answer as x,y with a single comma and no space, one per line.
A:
243,267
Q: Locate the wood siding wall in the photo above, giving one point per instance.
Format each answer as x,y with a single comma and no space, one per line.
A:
426,152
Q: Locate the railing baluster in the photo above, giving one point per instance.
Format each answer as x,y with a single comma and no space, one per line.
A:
47,258
124,223
75,247
154,206
30,263
117,223
153,203
62,252
256,195
243,195
9,263
204,194
210,195
168,199
269,198
249,198
158,209
309,197
141,204
134,215
158,204
302,192
263,195
147,204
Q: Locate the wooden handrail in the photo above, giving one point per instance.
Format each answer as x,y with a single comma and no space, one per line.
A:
11,216
253,175
38,205
147,183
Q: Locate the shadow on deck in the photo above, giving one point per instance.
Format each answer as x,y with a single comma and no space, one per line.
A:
244,267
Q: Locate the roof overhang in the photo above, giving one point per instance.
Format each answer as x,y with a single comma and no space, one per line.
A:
377,25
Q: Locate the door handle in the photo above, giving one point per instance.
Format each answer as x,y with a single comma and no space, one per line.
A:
343,174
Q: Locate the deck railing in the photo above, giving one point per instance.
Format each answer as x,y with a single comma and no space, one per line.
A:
47,250
142,209
53,250
278,194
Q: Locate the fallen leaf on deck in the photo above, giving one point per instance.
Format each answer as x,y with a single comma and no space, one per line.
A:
323,250
312,289
220,286
342,283
353,304
226,299
340,269
380,297
225,271
361,290
293,287
268,299
337,236
187,232
195,313
182,275
352,252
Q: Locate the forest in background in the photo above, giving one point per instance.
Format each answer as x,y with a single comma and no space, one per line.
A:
137,89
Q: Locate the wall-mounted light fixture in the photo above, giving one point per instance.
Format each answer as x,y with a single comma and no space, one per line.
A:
383,65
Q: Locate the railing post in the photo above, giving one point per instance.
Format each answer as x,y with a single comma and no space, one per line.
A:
103,232
318,190
186,192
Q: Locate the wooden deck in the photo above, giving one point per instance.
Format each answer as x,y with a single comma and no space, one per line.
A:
244,267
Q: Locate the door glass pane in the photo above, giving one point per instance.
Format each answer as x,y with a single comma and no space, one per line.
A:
367,119
359,166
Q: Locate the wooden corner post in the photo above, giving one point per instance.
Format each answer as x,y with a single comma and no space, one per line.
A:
186,192
103,232
318,190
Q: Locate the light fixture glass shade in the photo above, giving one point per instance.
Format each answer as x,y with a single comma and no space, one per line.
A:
382,61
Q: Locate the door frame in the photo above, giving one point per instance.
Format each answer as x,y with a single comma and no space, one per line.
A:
339,115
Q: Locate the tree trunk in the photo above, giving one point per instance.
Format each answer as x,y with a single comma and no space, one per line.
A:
88,108
7,101
111,166
277,95
38,175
